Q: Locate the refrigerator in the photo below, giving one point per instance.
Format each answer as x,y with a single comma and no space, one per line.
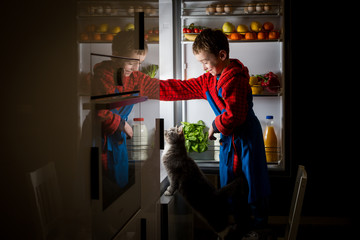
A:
124,172
261,55
170,48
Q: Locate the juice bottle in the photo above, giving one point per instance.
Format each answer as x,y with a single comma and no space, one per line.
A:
270,141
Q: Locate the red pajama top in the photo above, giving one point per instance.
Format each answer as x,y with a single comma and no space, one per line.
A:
229,93
104,82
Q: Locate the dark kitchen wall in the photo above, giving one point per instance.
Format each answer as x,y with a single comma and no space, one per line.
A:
324,127
39,112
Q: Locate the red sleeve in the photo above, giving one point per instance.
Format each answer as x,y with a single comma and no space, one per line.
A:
103,83
173,90
147,86
234,94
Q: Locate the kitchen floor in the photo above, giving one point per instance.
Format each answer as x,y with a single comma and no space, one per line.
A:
305,232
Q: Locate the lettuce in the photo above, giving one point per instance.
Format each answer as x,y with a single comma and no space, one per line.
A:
195,136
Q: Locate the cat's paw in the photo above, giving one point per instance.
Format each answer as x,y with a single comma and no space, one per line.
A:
168,193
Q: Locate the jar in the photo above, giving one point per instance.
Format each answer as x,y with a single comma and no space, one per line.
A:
139,140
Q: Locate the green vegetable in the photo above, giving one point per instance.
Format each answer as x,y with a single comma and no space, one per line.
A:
196,139
150,70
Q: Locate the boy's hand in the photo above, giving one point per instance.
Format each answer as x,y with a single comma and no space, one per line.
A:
211,133
128,130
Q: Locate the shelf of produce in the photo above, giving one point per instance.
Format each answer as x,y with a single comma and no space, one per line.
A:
113,16
105,41
238,41
232,15
268,95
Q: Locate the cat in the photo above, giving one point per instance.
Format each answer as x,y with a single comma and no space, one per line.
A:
185,176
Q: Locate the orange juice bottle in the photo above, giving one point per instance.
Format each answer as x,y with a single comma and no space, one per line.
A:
270,141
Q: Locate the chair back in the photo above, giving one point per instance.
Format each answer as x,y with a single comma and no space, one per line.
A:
47,196
296,204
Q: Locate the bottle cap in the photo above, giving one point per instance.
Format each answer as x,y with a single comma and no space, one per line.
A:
269,117
138,119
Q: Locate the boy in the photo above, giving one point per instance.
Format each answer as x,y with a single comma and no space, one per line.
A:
115,76
226,87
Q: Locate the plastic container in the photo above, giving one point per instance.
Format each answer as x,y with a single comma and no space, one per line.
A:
270,140
139,140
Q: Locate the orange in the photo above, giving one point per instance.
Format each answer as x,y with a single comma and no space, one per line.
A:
268,26
91,28
273,35
84,37
261,36
107,37
97,36
250,36
235,36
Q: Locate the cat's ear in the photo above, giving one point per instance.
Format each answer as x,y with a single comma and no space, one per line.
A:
180,130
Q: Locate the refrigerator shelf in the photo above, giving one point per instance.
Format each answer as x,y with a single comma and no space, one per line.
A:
232,15
85,16
108,41
268,95
239,41
206,8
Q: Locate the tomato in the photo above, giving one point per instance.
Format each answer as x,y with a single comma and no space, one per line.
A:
184,30
196,30
189,30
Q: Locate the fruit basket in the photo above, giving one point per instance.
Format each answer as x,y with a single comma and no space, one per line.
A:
265,84
190,36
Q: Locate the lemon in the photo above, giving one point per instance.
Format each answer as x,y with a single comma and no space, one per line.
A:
103,28
256,89
255,26
116,29
129,27
242,29
228,27
253,80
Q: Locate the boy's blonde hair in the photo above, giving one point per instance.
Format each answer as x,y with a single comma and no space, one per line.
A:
211,41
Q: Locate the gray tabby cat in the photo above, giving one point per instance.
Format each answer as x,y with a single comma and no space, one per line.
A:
184,175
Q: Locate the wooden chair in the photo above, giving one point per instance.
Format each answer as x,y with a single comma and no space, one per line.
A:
296,204
48,200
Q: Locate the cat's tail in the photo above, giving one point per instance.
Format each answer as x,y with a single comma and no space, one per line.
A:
235,194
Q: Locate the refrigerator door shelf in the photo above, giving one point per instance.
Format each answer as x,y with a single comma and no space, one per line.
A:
114,102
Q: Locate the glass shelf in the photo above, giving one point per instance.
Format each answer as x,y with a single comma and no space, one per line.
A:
114,102
225,9
237,41
233,15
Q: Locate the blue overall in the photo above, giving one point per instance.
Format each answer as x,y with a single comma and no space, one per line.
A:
249,143
117,154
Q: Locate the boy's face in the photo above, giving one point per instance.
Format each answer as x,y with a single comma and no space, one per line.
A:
211,63
132,65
